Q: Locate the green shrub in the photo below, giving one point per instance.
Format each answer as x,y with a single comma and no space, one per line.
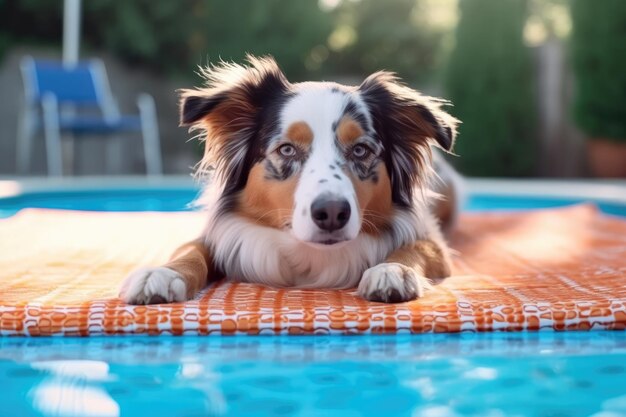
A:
391,35
599,60
490,82
173,37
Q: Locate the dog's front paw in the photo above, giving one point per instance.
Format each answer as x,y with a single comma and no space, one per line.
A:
392,283
153,286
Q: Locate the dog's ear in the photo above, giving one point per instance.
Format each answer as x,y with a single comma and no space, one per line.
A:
194,106
236,110
418,115
232,87
407,123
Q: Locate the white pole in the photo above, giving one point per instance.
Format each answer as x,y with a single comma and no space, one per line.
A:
71,31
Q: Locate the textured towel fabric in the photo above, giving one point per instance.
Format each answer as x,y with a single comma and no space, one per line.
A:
558,269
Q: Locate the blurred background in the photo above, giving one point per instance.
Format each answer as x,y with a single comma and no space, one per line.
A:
540,85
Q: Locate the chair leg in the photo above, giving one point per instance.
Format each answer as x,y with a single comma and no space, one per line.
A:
70,149
114,154
24,145
52,134
150,134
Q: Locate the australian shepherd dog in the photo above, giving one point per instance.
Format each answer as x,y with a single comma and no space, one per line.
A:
313,185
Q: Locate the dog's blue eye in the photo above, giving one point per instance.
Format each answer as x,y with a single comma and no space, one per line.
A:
287,150
360,151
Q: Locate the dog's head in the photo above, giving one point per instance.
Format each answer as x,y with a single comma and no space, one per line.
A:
322,161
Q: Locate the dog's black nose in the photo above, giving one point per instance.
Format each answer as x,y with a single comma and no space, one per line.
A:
330,213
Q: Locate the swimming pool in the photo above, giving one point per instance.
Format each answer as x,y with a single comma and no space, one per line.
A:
428,375
505,374
175,194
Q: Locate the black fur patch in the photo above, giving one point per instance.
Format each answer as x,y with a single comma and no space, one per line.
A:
195,108
280,169
399,115
352,110
443,133
272,172
262,86
266,127
366,170
281,172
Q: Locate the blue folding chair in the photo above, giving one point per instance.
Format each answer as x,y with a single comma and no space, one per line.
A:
77,100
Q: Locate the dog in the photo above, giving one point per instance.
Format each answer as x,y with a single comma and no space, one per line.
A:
313,185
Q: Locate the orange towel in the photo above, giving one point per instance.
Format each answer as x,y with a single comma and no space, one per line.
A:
560,269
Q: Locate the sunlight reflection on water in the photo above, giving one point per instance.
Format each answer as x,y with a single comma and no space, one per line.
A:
524,374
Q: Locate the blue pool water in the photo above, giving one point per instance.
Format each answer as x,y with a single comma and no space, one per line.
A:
492,375
177,199
527,374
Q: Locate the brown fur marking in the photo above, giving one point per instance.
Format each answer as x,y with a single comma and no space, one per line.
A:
424,129
300,133
445,207
194,263
233,115
265,201
348,131
374,200
426,256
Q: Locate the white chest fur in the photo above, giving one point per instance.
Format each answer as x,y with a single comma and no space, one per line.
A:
253,253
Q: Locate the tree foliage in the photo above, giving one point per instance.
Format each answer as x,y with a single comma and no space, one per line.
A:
390,35
174,37
490,82
599,59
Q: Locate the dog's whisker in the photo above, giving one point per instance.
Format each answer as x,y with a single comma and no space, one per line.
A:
374,215
278,211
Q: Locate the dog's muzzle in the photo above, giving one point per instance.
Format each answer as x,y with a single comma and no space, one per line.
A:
330,213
